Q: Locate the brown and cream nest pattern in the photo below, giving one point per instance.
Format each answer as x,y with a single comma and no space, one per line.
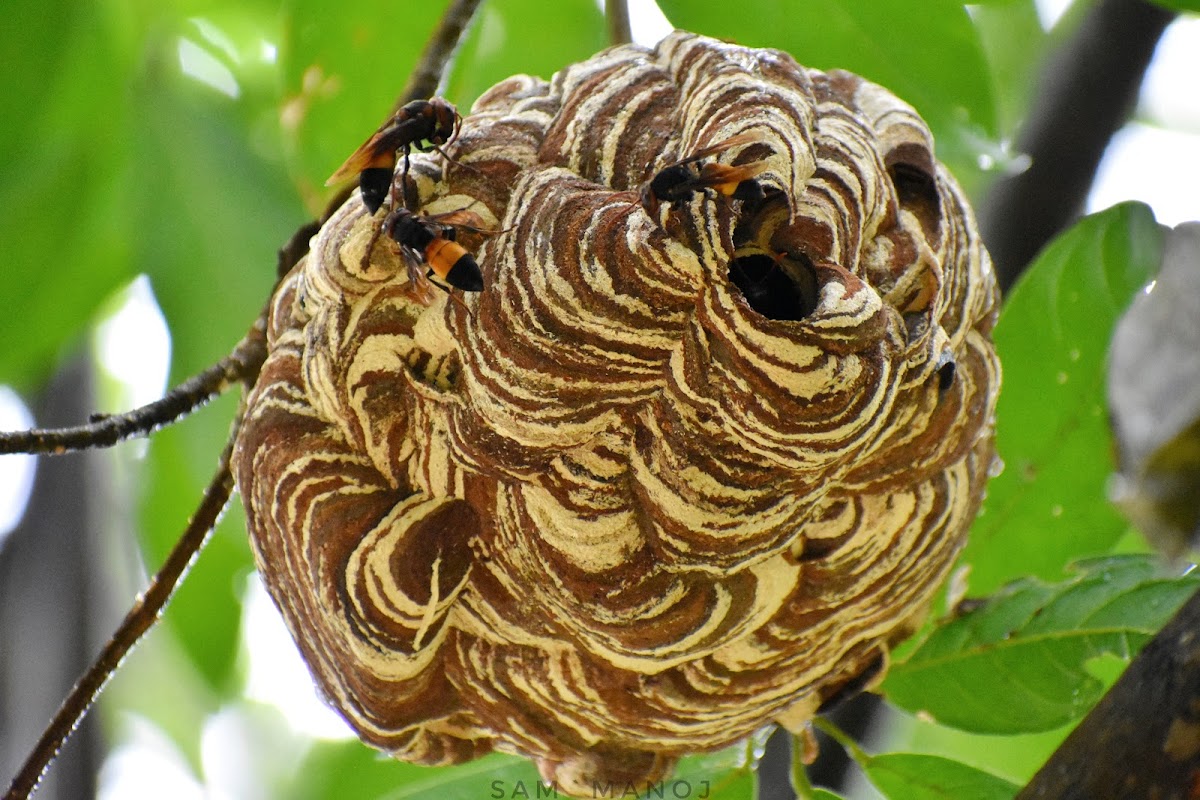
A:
605,512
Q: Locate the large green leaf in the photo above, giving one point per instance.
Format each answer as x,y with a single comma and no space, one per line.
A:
211,207
914,776
62,181
1019,663
921,776
83,162
493,776
329,767
1048,507
209,240
1016,756
724,775
1015,45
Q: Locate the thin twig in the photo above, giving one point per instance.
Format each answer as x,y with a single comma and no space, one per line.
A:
830,729
140,618
427,74
616,18
240,366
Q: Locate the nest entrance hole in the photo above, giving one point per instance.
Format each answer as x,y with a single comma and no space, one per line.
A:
779,287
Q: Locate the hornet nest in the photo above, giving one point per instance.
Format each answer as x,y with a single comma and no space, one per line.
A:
684,467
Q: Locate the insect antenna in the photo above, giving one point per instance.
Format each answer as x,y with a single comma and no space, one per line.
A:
455,164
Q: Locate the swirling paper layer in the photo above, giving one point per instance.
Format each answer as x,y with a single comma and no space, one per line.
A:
607,511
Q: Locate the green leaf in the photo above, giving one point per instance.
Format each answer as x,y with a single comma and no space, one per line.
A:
496,776
727,774
211,210
723,775
330,767
1018,663
912,776
1048,507
1016,756
929,55
730,786
208,241
62,183
211,205
1015,46
1180,5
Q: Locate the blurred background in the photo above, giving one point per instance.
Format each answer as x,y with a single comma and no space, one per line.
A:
156,156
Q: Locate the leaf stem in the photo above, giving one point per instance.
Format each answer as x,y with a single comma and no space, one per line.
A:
860,756
801,785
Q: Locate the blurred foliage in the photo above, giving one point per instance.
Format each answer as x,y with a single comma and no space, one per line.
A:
1180,5
186,140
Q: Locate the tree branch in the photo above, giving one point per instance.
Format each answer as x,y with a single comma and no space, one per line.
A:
425,77
240,366
1143,738
140,618
616,17
1087,90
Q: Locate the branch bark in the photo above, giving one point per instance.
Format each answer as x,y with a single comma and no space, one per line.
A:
616,19
242,365
146,608
1087,91
425,77
1143,738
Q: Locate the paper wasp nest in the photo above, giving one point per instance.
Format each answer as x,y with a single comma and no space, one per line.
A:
604,512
